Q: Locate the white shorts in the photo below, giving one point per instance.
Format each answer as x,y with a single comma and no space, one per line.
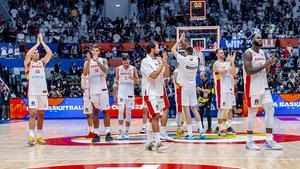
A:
38,102
259,100
225,101
188,96
87,106
155,104
101,101
128,101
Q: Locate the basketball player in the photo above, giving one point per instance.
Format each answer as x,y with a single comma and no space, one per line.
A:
145,109
97,69
153,69
187,72
126,76
179,117
256,66
231,58
87,105
222,72
37,89
165,116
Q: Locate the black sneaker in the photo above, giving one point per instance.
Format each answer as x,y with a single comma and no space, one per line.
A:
96,138
230,130
209,130
217,130
108,137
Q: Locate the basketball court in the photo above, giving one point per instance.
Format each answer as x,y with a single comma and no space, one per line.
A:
65,127
67,146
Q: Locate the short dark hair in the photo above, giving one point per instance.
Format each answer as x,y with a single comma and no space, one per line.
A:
217,50
125,57
189,50
96,46
151,44
87,51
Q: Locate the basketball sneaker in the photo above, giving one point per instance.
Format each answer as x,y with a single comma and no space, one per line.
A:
272,145
189,137
179,132
108,137
230,131
161,147
126,135
217,130
90,135
30,141
41,141
121,135
96,138
151,146
250,145
222,133
202,134
209,130
143,130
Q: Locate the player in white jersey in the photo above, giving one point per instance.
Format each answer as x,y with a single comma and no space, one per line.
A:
145,109
256,66
37,89
230,59
187,72
179,118
97,69
153,69
87,104
222,72
126,77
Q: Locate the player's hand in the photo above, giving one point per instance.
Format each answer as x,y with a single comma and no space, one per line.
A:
198,89
182,37
233,56
165,57
273,60
130,77
40,37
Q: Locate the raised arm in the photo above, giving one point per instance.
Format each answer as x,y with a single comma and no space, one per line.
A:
49,53
174,48
29,54
167,67
247,56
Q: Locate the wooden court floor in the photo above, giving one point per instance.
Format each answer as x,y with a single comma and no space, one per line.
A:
68,147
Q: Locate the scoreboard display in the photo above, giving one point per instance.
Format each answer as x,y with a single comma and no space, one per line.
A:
198,10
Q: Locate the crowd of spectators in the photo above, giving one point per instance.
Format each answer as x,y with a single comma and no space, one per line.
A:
76,21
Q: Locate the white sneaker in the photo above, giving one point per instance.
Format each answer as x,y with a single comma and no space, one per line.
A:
272,145
121,135
250,145
143,130
126,135
151,146
161,147
202,134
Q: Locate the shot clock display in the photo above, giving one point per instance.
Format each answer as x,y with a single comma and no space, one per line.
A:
197,10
